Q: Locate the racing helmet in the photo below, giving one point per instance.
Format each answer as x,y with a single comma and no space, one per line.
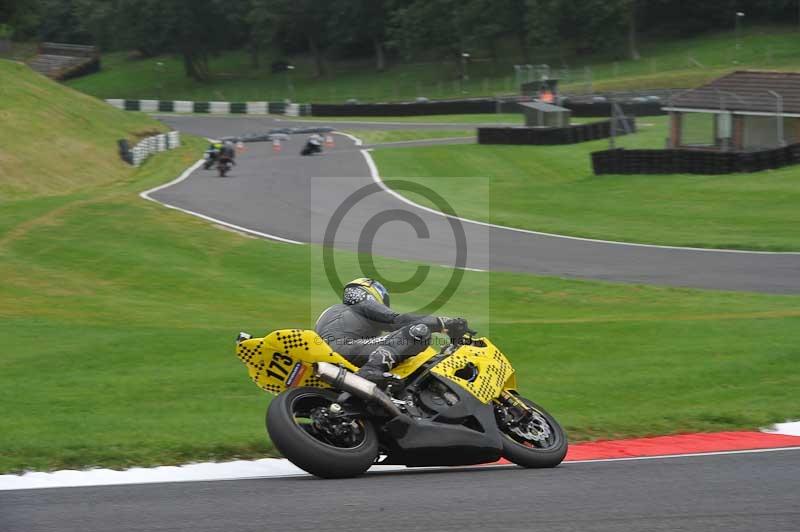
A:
369,286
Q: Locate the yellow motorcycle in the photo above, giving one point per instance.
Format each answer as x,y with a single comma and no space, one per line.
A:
457,406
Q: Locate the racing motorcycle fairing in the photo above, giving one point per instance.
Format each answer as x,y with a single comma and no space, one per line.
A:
457,429
285,359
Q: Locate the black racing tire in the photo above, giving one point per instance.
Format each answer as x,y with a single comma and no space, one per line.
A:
309,453
534,457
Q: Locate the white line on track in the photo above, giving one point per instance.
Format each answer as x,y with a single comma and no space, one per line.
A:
255,469
375,174
377,179
431,141
186,173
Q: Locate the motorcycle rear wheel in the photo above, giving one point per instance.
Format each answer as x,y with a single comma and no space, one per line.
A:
311,449
533,453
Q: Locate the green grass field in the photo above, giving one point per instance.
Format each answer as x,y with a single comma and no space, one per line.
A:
553,189
664,64
59,140
117,320
376,136
498,118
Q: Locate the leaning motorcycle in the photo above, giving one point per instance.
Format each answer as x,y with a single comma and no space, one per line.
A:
223,165
311,147
209,158
456,406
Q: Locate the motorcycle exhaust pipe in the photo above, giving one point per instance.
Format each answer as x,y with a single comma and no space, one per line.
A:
347,381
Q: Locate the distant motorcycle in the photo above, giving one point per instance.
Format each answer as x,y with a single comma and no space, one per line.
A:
313,145
224,165
210,157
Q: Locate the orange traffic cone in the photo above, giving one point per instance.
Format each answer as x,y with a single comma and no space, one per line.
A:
329,143
276,145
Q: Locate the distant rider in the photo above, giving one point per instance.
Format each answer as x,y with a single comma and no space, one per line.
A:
212,153
227,152
369,334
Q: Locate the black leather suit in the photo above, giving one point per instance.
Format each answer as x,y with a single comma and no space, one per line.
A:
368,333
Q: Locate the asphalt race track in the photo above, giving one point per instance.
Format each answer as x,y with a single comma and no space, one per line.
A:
726,493
294,197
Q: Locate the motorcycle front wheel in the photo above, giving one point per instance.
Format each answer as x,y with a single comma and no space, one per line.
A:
537,442
304,430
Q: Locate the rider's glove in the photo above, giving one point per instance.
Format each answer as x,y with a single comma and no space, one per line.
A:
454,327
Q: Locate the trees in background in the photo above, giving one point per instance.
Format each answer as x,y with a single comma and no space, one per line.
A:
379,29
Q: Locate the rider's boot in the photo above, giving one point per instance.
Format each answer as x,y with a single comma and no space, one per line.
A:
410,341
380,361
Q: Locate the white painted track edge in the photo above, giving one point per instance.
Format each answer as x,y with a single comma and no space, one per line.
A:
377,179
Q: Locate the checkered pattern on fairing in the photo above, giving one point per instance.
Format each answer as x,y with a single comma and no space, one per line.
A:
493,371
299,345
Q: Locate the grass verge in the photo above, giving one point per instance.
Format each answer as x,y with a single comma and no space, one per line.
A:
401,135
57,140
553,189
118,318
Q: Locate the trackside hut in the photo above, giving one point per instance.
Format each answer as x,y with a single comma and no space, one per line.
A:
742,111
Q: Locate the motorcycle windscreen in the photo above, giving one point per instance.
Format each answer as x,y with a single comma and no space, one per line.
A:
285,358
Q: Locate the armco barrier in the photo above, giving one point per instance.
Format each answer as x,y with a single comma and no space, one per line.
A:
553,135
183,106
148,146
478,106
623,161
442,107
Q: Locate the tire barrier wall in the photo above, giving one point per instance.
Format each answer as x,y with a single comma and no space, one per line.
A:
465,107
147,147
623,161
183,106
553,135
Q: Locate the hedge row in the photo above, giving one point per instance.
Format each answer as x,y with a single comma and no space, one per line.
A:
553,135
623,161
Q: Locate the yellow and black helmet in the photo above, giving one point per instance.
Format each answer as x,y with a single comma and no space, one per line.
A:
367,286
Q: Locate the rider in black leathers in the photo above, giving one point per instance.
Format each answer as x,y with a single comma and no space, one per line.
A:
368,333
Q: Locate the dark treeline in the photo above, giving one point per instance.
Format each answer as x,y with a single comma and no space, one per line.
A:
380,29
